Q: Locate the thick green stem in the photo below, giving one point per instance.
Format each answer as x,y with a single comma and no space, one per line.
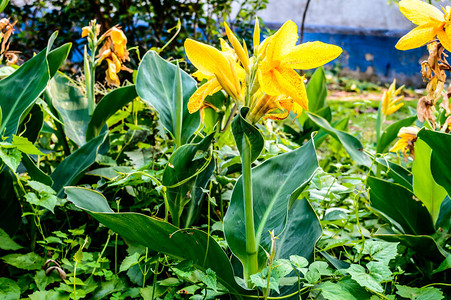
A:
251,266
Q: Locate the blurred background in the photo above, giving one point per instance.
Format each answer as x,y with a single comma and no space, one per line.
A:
367,30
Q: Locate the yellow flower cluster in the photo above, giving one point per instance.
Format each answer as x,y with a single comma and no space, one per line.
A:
430,21
266,82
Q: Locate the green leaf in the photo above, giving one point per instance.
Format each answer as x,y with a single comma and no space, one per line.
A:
427,293
358,273
381,251
398,204
298,261
25,146
445,265
209,279
335,291
73,167
11,157
9,289
45,200
391,132
197,195
317,90
22,88
129,261
424,186
423,244
440,161
3,4
68,99
29,261
11,212
351,144
34,172
107,107
160,236
6,243
185,164
399,174
276,185
444,217
42,280
246,133
32,125
156,84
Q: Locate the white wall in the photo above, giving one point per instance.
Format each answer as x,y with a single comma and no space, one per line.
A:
375,14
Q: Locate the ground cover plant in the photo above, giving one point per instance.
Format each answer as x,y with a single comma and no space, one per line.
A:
220,174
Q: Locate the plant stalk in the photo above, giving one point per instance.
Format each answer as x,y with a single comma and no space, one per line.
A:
251,266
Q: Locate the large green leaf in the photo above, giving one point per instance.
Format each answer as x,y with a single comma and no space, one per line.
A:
245,133
107,107
399,174
317,90
10,212
21,89
351,144
440,161
276,184
157,84
197,195
71,105
73,167
423,244
424,186
183,244
399,205
185,164
302,225
391,132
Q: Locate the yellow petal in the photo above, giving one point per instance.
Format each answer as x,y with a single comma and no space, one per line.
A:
444,37
394,108
205,58
200,76
237,47
111,72
310,55
282,41
256,36
291,84
297,109
197,99
420,12
268,82
417,37
119,42
85,31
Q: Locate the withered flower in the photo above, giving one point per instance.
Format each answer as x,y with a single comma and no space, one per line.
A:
6,30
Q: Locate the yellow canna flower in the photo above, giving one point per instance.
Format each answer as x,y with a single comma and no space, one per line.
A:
272,107
408,136
282,55
119,43
114,66
218,67
431,23
390,101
